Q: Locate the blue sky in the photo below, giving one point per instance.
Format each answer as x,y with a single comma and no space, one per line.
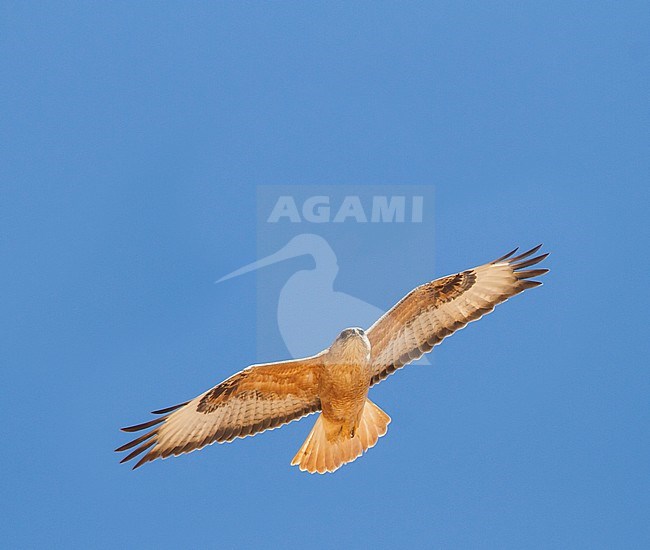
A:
134,141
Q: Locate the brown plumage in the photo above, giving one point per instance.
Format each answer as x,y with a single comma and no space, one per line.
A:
336,381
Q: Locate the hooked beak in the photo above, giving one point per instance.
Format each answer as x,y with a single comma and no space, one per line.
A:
281,255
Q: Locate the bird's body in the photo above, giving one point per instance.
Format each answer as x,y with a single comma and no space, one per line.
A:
349,423
343,390
336,381
345,379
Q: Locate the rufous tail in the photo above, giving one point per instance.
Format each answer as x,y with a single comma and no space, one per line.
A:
320,454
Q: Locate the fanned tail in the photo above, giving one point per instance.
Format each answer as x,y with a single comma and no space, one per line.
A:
320,454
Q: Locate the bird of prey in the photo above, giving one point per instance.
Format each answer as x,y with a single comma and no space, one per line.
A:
336,380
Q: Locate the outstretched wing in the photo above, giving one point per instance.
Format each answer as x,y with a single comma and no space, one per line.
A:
259,398
433,311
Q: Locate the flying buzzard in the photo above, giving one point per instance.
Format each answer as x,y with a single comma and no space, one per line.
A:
336,381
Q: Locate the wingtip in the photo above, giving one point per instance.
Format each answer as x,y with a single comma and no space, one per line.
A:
531,273
519,265
170,409
525,254
144,425
146,458
506,256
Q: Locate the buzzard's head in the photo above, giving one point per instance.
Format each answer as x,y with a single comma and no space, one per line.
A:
352,344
